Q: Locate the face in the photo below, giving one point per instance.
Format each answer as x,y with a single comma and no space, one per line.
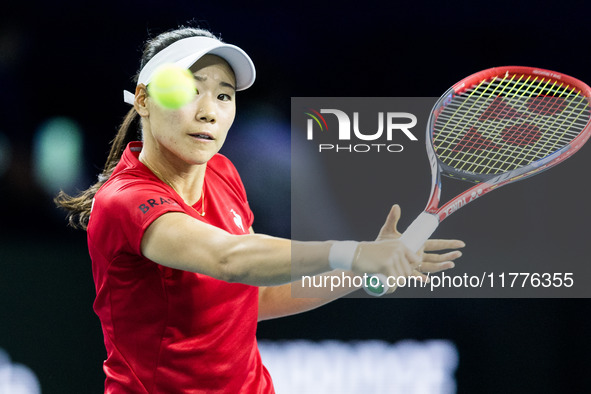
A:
193,134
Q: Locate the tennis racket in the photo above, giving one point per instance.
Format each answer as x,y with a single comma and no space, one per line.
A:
495,127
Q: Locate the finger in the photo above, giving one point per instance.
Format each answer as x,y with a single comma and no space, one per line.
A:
389,229
436,267
441,244
403,266
435,258
422,277
413,258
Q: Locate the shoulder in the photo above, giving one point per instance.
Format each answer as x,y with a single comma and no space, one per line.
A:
126,186
223,170
122,210
222,165
222,174
130,178
133,196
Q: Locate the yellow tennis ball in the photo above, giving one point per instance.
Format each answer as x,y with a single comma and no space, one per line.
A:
172,86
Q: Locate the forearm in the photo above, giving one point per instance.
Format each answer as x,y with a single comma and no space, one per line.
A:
291,299
262,260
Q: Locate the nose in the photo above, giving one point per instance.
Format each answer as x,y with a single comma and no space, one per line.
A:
206,111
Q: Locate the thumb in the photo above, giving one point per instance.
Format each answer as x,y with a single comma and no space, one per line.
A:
390,228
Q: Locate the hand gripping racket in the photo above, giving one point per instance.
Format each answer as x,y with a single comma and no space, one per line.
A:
495,127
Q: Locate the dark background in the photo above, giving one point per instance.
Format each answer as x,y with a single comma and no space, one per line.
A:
74,58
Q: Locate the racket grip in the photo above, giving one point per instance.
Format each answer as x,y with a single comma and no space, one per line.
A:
413,238
419,231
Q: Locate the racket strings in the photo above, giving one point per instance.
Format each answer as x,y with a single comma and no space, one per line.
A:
475,138
563,129
509,122
500,110
528,143
515,133
525,132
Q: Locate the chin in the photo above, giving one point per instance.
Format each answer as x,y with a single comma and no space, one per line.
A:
201,158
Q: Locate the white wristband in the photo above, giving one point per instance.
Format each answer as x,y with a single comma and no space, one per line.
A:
341,255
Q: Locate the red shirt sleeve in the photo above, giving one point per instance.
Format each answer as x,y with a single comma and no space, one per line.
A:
123,211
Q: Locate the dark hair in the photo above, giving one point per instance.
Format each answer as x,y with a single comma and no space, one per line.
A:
79,206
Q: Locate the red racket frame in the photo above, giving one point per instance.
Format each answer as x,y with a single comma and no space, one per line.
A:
495,182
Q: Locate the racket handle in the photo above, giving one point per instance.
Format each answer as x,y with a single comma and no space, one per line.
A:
413,238
419,231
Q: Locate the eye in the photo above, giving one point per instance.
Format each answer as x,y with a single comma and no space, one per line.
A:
224,97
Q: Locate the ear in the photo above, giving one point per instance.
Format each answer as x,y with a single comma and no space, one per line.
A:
140,102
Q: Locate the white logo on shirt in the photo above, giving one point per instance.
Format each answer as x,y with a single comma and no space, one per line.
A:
237,220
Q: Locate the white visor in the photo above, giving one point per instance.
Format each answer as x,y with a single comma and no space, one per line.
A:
187,51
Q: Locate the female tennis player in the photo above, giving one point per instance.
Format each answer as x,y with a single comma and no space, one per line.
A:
181,277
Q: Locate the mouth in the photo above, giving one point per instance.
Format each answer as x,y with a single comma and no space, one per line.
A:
202,136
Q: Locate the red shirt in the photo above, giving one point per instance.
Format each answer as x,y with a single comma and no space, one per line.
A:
167,330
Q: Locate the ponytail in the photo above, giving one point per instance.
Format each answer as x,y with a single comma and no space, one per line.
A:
79,206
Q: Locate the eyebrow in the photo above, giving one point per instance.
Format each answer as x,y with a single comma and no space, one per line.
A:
222,83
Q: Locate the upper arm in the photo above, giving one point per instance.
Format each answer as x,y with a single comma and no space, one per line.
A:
180,241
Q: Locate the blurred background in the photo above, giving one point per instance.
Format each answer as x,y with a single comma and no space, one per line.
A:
64,65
